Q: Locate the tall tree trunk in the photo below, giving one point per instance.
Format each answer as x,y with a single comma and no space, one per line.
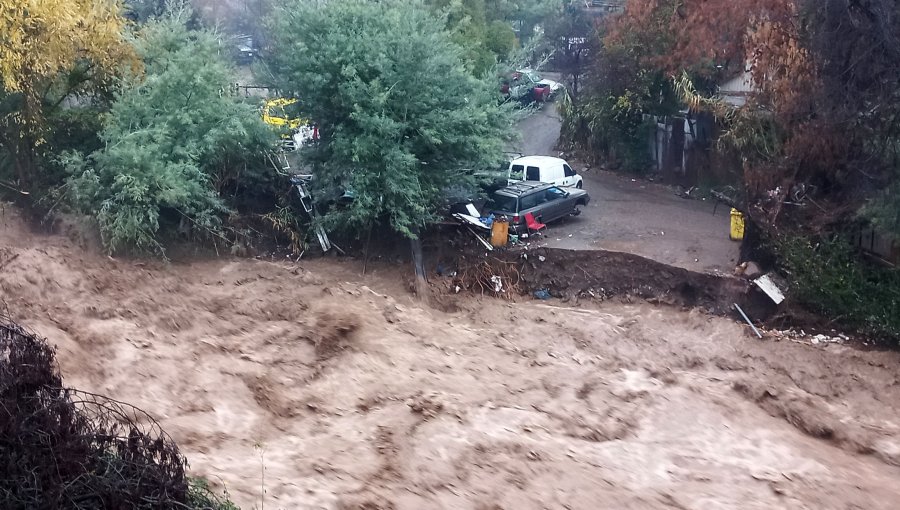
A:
23,148
421,284
18,164
366,255
23,164
575,74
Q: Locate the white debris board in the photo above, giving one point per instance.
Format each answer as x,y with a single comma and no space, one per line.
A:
471,220
768,286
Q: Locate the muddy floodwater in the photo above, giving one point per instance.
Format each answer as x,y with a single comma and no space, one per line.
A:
310,386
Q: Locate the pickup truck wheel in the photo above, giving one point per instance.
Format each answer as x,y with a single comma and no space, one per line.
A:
576,211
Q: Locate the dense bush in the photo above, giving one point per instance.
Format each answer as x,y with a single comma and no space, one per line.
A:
607,128
173,141
62,448
828,276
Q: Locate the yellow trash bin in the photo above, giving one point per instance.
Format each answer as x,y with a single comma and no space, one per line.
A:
499,233
737,225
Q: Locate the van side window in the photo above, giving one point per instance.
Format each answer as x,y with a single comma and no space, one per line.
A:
517,170
568,171
532,173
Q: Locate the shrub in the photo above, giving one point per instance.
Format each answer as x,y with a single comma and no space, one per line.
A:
609,129
172,141
63,448
828,276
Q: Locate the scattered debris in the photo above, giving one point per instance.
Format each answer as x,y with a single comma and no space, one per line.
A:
542,294
749,270
803,337
481,240
768,286
301,182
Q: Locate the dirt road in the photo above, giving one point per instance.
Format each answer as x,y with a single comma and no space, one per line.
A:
307,387
634,216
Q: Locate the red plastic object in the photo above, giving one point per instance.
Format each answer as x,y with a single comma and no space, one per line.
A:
533,224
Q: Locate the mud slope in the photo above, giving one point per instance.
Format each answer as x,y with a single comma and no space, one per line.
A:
601,274
328,391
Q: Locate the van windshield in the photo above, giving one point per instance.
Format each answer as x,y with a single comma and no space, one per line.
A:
502,203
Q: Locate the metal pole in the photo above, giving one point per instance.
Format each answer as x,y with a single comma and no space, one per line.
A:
744,315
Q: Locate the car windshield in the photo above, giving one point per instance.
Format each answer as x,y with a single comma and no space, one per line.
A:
502,203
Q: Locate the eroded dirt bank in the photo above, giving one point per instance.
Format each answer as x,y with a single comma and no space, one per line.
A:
573,275
345,394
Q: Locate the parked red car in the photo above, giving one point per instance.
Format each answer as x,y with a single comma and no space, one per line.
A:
523,87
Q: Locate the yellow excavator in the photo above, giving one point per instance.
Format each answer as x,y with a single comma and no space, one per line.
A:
276,113
280,113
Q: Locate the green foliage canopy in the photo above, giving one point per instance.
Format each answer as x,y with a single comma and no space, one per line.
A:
829,277
524,14
168,137
484,42
400,118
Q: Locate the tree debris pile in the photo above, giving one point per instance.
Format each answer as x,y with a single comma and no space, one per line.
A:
66,448
494,276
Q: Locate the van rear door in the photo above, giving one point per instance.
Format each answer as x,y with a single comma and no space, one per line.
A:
569,175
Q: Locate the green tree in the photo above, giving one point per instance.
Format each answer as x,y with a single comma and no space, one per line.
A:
525,15
168,142
142,11
500,39
606,119
484,42
400,118
570,35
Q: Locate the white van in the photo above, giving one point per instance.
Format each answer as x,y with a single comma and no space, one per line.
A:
544,169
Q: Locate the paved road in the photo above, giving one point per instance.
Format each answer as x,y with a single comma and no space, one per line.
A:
540,132
634,215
